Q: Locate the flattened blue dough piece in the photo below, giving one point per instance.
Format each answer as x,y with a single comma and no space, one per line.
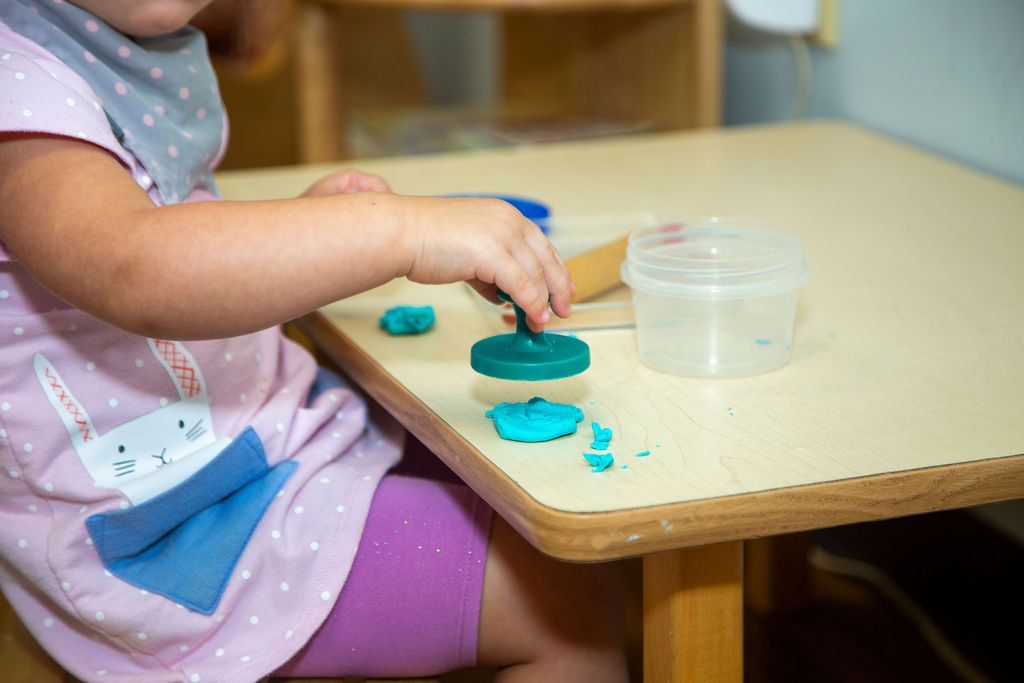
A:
537,420
602,435
407,320
599,462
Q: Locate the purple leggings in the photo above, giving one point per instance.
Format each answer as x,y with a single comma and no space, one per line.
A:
411,604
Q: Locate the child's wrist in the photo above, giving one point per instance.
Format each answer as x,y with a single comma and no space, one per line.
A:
408,213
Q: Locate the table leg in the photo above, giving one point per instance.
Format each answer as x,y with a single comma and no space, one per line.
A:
776,574
693,614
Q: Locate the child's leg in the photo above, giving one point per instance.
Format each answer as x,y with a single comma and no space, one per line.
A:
411,604
437,586
544,620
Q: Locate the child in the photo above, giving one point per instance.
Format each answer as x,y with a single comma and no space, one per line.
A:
217,509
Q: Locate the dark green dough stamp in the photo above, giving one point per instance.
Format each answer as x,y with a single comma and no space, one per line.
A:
526,355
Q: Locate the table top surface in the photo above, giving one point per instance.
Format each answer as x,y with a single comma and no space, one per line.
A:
903,395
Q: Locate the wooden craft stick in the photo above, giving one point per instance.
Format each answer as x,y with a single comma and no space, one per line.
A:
596,271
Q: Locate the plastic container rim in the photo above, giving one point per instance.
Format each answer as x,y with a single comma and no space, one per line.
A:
790,267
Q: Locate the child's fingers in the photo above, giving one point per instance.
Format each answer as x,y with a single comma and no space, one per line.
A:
487,290
348,182
557,278
517,283
368,182
358,181
342,182
533,267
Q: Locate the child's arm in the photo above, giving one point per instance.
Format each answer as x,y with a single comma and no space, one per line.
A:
79,223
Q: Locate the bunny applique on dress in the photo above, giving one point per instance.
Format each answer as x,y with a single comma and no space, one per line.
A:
153,452
183,504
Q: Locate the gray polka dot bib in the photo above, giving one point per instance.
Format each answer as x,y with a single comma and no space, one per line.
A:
159,94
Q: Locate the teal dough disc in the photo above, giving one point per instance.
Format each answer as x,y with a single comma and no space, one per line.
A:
560,357
536,420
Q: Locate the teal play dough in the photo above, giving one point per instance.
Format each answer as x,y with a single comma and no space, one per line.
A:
602,435
407,320
536,420
599,462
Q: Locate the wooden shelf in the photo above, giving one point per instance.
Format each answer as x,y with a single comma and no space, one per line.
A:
656,61
507,5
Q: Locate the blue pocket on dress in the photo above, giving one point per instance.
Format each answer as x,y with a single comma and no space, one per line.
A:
184,543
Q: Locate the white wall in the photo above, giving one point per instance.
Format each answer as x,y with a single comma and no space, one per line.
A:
946,75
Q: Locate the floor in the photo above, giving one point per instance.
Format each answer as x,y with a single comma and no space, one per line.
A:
940,583
847,634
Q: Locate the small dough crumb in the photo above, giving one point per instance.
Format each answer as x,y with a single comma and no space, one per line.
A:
599,462
602,436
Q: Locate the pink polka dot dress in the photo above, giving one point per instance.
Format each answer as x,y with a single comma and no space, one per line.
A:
169,511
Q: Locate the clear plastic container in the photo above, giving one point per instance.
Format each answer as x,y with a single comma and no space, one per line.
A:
713,297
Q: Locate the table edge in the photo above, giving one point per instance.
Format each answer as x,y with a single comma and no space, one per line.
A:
599,536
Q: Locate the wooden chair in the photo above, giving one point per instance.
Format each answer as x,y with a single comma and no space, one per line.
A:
22,660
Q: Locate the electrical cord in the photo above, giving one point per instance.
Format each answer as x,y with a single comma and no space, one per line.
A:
825,561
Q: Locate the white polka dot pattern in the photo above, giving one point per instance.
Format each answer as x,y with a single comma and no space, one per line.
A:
131,79
281,589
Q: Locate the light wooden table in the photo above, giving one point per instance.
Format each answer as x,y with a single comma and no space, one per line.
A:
905,393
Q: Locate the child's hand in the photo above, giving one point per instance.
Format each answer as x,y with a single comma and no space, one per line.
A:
487,243
347,181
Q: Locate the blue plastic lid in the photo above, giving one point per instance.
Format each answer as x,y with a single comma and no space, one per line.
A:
535,210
